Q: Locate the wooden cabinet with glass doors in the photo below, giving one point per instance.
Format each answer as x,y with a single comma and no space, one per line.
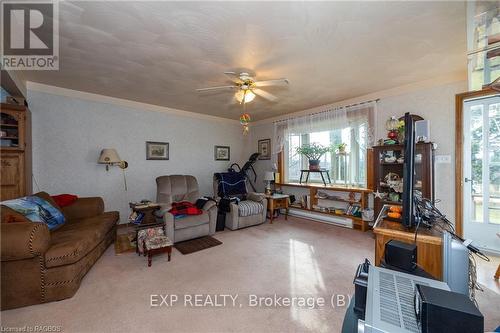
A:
15,151
388,161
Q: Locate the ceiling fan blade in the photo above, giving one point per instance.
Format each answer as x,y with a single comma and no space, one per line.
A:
217,88
277,82
233,76
265,94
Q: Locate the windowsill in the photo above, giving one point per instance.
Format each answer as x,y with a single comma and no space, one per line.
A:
315,181
338,187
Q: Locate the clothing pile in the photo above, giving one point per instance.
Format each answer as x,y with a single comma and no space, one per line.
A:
184,208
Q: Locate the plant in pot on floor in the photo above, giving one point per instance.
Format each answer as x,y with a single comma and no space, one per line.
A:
313,152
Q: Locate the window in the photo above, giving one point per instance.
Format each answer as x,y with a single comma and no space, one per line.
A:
349,168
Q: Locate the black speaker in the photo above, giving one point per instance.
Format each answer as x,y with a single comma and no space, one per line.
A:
401,255
439,310
361,288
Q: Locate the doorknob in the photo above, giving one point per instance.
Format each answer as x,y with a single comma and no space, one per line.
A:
467,180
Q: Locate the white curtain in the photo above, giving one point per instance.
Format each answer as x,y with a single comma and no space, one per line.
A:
327,120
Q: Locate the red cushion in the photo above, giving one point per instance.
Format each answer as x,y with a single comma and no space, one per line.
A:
64,200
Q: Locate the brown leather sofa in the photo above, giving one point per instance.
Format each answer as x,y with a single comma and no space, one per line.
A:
41,266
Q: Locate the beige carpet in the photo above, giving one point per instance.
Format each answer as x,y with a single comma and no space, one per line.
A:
294,257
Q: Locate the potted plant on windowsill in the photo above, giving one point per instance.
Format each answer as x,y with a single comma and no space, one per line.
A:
313,152
341,148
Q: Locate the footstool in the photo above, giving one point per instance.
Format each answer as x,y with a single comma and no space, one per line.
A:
154,241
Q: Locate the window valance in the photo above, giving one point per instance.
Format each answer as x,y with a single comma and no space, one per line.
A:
327,120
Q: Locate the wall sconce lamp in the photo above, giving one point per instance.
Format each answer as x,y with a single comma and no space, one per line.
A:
109,157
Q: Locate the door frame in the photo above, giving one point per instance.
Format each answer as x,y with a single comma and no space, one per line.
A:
459,144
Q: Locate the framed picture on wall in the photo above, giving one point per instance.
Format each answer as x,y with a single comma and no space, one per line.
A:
222,153
264,149
157,150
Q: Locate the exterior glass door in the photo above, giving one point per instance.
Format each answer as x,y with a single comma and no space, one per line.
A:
482,172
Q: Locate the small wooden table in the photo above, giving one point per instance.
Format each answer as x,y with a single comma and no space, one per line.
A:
149,219
147,210
320,171
277,201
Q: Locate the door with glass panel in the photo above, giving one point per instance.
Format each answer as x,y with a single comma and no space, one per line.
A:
481,170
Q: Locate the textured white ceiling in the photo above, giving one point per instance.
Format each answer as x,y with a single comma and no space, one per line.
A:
160,52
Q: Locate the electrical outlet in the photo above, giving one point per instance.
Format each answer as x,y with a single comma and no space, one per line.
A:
442,159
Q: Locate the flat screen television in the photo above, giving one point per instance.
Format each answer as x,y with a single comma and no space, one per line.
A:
408,172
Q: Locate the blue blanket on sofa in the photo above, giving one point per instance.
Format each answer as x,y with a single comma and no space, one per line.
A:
36,209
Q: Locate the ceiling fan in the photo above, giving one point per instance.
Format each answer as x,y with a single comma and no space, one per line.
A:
247,87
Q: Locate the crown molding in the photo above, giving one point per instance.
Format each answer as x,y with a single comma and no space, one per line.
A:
35,86
12,83
454,77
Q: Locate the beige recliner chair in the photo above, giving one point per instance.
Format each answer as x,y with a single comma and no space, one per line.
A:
250,212
176,188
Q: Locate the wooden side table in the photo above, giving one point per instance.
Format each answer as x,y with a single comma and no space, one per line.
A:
429,245
277,201
149,219
148,211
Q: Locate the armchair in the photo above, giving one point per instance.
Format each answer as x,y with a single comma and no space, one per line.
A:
176,188
247,213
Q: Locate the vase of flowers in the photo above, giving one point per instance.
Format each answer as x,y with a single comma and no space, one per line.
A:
313,152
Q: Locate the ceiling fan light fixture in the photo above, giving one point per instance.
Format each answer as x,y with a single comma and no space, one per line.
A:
244,96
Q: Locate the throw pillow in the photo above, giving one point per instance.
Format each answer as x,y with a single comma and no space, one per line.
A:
64,200
36,209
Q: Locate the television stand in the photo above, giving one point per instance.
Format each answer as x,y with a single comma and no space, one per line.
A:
429,245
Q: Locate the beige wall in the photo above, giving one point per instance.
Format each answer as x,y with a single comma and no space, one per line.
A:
433,102
436,104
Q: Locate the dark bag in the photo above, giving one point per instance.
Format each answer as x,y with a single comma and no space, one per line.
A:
200,203
221,221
